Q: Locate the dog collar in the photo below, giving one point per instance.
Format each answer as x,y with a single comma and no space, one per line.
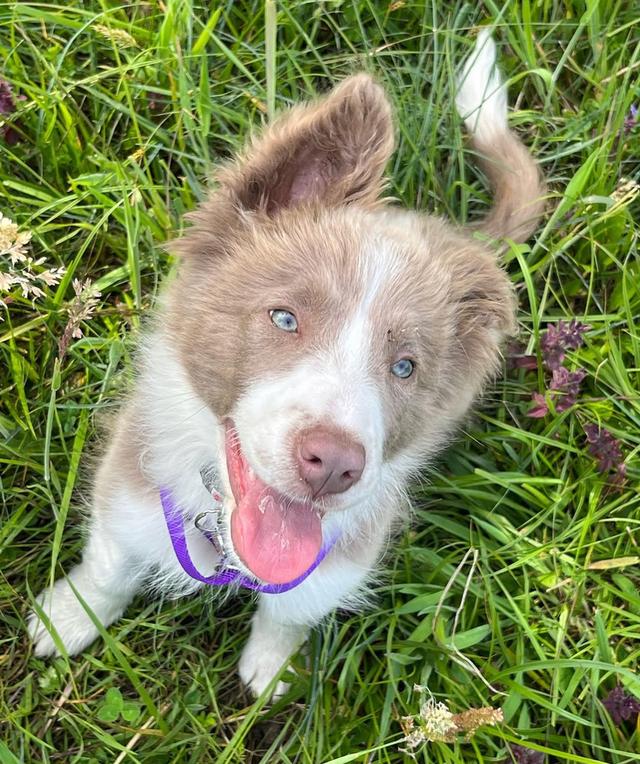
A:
225,574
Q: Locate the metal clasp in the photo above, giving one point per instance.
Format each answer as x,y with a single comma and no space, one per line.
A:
215,537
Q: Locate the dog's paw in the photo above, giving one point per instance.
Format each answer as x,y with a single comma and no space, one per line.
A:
259,664
66,615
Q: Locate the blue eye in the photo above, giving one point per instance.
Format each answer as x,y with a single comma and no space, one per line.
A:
284,320
403,368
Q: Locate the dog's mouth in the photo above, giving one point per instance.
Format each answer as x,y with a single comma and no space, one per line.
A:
276,537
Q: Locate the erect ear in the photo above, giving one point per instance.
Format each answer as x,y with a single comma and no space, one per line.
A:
333,151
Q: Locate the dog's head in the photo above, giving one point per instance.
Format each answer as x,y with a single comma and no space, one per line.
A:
337,340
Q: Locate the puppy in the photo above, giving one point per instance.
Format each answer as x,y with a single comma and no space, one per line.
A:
317,348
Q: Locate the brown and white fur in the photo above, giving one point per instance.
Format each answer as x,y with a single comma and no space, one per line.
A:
297,222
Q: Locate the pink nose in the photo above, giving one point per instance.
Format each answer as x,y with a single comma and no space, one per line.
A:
329,461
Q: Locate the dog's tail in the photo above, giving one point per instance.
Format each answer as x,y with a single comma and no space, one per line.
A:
516,181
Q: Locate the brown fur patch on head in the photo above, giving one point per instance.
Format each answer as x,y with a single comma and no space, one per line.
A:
219,308
450,309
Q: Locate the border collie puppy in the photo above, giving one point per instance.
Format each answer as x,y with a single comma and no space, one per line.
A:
316,349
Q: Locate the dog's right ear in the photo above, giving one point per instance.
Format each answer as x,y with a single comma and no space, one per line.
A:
332,152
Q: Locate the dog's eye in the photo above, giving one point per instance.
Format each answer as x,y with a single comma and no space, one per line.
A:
284,320
403,368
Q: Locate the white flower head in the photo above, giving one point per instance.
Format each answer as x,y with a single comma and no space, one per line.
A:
437,720
20,270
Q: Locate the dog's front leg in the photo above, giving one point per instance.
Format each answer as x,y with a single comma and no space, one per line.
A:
282,621
106,580
269,647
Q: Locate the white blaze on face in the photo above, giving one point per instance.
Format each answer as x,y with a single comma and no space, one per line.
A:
334,386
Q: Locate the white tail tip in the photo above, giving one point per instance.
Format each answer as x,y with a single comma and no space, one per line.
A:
481,99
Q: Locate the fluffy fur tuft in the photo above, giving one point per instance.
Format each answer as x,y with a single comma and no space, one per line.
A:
482,96
516,181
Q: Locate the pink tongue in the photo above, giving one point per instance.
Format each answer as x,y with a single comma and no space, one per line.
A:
276,538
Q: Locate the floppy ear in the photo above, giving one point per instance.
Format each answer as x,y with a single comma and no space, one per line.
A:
484,311
333,151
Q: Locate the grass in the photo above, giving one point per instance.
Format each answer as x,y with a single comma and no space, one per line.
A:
123,111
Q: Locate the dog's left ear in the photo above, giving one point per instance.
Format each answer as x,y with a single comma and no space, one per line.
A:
333,151
484,310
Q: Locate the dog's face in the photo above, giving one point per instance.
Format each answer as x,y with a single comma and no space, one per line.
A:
337,341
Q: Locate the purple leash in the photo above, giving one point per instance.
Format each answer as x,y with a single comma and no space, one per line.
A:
175,526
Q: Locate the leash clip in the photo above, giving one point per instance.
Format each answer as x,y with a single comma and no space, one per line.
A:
215,537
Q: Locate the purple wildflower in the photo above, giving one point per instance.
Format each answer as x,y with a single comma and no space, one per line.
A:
540,408
564,389
10,135
528,362
567,384
621,706
631,120
559,338
7,104
606,450
517,359
523,755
